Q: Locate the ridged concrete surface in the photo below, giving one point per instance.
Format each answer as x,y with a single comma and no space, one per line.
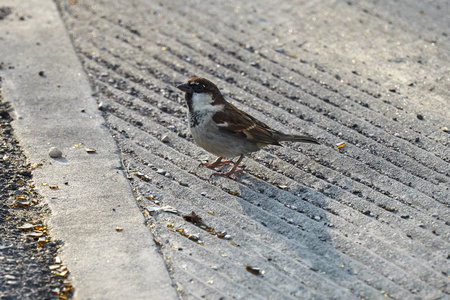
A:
368,221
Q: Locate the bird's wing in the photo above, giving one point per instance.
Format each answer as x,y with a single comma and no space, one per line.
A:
233,119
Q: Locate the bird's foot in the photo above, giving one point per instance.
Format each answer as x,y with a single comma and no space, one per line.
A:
218,162
233,170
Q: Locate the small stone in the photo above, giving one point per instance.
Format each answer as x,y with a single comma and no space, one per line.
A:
419,116
102,106
161,171
317,218
165,139
445,129
255,270
90,150
104,74
55,152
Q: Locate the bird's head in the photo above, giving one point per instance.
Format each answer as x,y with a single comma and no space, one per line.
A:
201,94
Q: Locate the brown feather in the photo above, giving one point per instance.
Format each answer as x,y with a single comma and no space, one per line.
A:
243,123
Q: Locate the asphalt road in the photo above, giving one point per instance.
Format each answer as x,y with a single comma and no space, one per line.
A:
369,220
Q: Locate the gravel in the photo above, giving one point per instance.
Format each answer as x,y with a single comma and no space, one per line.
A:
24,265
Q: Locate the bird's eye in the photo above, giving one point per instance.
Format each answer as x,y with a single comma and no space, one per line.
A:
200,88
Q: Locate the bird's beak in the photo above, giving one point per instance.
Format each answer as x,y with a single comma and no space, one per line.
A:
185,87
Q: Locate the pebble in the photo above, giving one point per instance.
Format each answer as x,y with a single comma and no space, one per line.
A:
165,139
161,171
102,106
55,152
317,218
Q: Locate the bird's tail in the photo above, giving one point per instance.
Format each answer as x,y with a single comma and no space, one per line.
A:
296,138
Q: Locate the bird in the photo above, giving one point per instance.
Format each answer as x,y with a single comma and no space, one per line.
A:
224,130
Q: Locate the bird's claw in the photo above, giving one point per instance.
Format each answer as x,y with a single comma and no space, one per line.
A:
218,162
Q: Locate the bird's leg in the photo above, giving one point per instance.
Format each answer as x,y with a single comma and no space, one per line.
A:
217,162
233,169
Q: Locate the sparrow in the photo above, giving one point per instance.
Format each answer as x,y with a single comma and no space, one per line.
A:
224,130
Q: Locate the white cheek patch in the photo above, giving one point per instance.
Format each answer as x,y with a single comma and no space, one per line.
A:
203,101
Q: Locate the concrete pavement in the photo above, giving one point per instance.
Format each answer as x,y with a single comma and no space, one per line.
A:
368,221
54,107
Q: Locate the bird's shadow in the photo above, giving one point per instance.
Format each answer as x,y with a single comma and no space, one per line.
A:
295,217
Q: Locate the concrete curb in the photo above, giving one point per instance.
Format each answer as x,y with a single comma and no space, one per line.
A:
44,81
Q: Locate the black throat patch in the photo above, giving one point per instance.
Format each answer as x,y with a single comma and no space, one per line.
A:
195,118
